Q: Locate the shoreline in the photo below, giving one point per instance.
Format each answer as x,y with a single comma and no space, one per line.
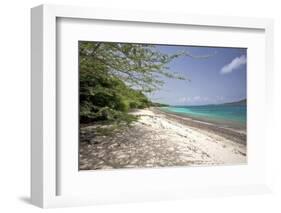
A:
160,139
236,126
238,135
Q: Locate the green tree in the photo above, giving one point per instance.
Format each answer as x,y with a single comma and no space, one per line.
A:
115,76
139,65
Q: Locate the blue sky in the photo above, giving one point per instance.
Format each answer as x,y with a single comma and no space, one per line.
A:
219,78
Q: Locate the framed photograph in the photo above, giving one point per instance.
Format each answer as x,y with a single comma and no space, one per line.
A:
129,106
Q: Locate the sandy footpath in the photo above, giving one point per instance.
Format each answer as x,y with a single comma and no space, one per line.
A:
157,140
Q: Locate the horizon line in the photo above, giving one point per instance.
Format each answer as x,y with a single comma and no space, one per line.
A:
228,102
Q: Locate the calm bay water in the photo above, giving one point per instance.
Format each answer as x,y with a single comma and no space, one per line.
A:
236,114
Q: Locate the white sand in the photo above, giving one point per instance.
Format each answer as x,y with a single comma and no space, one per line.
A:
202,146
158,140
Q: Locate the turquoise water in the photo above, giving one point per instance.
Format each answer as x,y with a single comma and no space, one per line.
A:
220,113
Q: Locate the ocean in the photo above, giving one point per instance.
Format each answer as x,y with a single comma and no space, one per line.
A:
228,115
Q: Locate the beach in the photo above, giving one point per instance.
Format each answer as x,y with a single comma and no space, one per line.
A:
161,139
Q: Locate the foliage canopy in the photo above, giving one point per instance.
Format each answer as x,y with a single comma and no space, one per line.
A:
115,76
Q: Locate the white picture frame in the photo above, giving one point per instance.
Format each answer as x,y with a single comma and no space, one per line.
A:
44,154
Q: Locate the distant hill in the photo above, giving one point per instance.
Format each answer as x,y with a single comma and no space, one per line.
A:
241,102
154,104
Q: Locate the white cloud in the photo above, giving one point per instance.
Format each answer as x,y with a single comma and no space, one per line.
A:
197,98
220,98
185,99
234,64
194,99
182,99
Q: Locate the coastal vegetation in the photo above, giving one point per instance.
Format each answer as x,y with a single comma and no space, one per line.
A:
120,125
115,78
